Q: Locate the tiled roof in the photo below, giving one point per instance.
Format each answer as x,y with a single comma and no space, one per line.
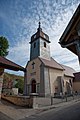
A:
51,63
40,34
7,64
68,71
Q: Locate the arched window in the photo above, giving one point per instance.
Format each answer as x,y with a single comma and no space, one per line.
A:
45,44
33,86
34,44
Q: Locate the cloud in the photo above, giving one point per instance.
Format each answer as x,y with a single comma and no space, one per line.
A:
20,53
23,23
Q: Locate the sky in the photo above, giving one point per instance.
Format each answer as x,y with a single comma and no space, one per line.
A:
19,21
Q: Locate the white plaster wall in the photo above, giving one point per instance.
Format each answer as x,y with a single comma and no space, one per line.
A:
44,51
66,79
33,73
54,73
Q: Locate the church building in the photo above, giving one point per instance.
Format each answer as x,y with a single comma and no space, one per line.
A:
44,75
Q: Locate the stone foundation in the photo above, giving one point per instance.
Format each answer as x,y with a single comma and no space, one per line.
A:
32,101
18,100
43,101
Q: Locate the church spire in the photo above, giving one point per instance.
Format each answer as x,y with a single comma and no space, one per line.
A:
39,24
39,34
39,44
39,28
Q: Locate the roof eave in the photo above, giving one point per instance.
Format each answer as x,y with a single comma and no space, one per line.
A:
53,67
68,75
69,26
5,66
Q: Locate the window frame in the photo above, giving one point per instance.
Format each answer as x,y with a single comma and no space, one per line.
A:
45,44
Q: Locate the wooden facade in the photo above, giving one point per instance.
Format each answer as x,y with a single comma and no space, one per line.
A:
70,38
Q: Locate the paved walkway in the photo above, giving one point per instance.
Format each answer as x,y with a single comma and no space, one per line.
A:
17,113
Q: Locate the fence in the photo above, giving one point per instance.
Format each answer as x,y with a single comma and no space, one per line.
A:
64,99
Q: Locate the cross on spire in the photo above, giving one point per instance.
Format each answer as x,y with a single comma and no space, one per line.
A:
39,25
39,28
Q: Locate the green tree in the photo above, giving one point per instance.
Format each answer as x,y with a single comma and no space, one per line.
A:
4,45
20,85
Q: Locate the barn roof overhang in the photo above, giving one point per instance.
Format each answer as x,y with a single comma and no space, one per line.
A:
8,64
70,38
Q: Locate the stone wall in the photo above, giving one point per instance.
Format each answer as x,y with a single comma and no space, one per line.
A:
28,101
43,101
18,100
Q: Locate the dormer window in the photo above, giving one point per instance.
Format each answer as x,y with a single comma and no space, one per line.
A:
34,44
45,44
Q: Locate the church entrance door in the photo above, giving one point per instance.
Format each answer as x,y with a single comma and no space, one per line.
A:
33,86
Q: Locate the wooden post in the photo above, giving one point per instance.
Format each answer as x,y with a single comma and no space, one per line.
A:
25,83
1,79
78,49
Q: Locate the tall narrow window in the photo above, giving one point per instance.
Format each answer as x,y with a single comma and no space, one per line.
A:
33,65
33,86
45,44
34,45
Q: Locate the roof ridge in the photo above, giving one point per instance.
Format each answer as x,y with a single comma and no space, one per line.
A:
57,62
60,67
68,67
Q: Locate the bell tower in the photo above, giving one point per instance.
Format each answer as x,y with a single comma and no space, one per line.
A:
39,45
